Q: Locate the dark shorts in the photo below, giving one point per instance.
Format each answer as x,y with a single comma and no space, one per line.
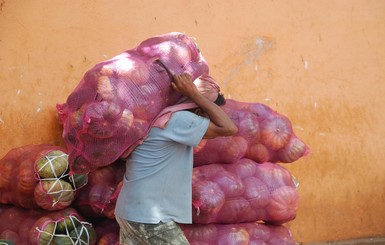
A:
133,233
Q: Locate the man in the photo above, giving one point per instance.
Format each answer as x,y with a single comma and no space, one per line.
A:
156,193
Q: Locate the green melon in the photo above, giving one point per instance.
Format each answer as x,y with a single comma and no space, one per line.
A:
78,180
85,233
53,165
67,225
63,240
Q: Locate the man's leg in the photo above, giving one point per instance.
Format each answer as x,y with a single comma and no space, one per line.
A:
132,233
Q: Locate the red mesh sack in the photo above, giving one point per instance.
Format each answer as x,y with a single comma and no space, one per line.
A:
238,234
111,109
36,226
98,198
36,176
263,135
244,191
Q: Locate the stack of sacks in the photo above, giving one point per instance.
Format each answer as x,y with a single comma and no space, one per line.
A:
39,227
37,176
116,101
239,190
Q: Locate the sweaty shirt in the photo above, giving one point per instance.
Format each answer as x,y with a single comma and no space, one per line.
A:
157,183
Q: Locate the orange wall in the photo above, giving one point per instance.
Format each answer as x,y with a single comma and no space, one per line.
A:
321,63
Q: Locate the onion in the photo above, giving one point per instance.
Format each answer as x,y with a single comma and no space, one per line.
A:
275,132
229,183
294,150
256,192
243,168
233,210
201,233
248,128
233,236
207,196
283,204
274,175
258,153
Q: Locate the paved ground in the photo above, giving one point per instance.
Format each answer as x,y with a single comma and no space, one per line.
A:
368,241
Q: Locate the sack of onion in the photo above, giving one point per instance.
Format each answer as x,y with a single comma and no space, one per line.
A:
263,135
116,100
40,227
243,234
37,176
244,191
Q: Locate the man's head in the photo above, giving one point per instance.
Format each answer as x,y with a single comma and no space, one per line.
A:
220,101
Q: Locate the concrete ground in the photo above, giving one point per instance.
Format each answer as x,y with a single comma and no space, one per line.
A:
366,241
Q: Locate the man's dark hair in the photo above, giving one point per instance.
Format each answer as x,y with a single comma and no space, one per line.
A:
220,100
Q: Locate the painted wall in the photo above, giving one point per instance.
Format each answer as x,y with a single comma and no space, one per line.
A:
321,63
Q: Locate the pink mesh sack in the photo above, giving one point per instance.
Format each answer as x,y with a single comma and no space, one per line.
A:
244,191
238,234
111,109
98,198
263,135
39,227
37,176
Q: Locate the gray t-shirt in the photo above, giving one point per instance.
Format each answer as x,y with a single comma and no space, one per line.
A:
157,183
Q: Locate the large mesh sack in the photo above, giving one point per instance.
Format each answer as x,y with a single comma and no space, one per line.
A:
98,198
244,191
264,135
37,176
40,227
111,109
238,234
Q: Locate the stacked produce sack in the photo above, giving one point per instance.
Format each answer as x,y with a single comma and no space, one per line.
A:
36,226
115,102
37,176
241,195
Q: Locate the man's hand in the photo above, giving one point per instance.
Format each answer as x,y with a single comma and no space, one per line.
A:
185,85
220,123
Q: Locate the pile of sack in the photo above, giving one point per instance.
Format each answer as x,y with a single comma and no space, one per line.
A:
241,193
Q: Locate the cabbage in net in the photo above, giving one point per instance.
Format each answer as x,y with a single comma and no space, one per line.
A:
111,109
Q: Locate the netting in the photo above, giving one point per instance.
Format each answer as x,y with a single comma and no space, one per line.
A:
238,234
244,191
264,135
111,109
98,198
37,176
40,227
